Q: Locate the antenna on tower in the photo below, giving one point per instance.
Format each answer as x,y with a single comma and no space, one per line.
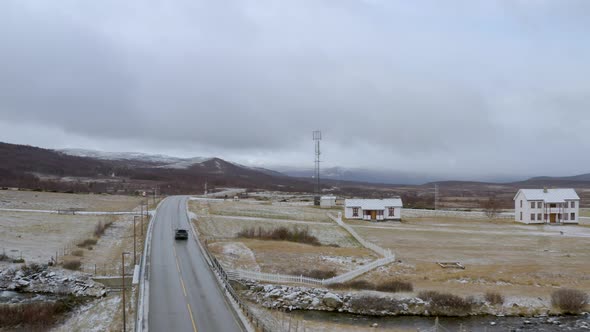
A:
317,137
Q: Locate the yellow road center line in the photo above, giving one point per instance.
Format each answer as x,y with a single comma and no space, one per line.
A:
183,288
190,312
177,266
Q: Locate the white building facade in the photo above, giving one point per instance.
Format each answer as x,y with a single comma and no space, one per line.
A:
373,209
547,206
328,201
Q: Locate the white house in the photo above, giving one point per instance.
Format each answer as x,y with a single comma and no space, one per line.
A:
373,209
541,206
328,201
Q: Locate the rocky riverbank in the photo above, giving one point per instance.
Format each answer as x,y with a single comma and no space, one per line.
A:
377,303
44,280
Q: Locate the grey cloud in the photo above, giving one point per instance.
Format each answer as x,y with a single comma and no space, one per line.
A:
416,82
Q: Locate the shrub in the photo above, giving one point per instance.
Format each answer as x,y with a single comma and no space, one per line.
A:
316,274
18,260
88,242
73,264
101,227
372,303
494,298
39,314
78,253
569,300
4,257
32,268
280,234
446,304
355,284
395,286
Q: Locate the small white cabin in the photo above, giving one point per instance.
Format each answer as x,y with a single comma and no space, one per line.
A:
547,206
373,209
328,201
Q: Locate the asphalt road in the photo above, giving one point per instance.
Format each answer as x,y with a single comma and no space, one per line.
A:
183,292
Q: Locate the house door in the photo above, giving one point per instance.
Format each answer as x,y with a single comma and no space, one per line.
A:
553,218
373,215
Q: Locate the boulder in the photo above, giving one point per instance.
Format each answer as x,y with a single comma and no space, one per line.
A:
332,301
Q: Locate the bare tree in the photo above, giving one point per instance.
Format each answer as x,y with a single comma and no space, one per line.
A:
491,207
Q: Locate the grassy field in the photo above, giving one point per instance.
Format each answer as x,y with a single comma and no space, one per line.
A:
339,251
274,210
38,236
513,258
31,200
288,257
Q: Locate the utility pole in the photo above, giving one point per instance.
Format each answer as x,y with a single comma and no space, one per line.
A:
134,244
123,281
317,137
141,218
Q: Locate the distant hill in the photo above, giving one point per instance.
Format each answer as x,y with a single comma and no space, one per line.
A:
575,178
84,170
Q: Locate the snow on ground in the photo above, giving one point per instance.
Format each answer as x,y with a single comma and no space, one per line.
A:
96,316
10,199
271,211
226,228
235,255
39,236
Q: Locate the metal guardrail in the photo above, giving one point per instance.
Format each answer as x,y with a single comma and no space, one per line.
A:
218,269
258,324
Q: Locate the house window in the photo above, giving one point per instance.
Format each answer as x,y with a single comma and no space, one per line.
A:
559,216
391,212
539,205
552,205
521,215
573,216
379,212
539,216
532,205
532,216
521,203
565,216
573,205
355,212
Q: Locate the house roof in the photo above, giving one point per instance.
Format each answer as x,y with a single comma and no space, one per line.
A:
374,204
559,195
328,197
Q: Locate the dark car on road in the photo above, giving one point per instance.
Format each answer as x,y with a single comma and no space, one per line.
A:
181,234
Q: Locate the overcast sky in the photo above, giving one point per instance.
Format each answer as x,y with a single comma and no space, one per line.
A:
460,89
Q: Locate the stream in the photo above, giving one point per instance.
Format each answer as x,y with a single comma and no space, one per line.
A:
472,323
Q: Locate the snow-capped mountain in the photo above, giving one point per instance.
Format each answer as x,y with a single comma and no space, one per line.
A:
158,160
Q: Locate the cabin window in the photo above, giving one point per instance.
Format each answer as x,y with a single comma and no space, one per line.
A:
532,216
355,212
573,205
573,216
532,205
391,212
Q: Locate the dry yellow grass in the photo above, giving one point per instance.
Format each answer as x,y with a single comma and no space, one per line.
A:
513,258
288,257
